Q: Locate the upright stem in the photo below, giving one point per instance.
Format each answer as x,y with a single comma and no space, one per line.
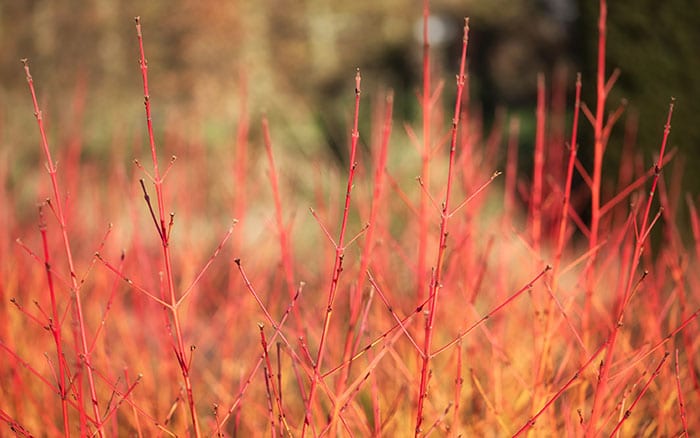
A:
563,221
540,383
623,300
339,254
351,341
83,349
165,240
285,249
426,104
598,152
55,327
435,283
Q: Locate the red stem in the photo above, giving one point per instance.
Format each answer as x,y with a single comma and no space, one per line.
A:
179,345
339,253
628,412
598,151
435,283
573,148
278,332
55,327
546,332
681,403
459,382
269,385
426,105
285,248
356,300
623,300
84,351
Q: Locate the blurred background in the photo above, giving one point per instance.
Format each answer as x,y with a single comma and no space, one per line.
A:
295,60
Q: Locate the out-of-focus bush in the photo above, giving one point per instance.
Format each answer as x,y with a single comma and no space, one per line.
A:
296,59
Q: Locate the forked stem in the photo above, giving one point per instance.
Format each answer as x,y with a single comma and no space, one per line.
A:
163,232
626,293
436,280
338,263
57,206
